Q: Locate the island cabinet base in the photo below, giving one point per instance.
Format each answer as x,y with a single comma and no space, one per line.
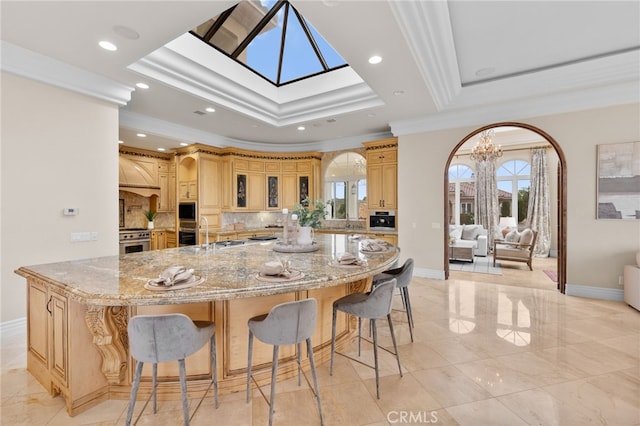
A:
81,352
60,350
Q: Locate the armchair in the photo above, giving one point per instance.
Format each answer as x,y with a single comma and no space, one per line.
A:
516,251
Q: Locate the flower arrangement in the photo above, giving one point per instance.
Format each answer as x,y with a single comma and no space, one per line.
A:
310,213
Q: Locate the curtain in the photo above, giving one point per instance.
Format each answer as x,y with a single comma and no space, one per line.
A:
539,206
487,209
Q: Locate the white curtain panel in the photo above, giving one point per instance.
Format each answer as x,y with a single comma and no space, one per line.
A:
539,205
487,207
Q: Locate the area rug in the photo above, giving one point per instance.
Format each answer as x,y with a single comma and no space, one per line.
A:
481,265
553,275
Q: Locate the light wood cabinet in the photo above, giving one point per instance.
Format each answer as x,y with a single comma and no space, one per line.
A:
382,174
188,190
158,240
256,191
172,241
57,331
167,182
210,190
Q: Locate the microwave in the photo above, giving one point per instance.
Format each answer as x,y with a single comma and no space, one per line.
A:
382,220
187,211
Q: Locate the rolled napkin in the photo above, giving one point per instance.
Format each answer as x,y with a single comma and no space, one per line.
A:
173,275
373,245
273,267
346,259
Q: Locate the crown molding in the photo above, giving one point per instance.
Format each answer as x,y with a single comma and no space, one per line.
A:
597,97
187,134
190,66
426,26
35,66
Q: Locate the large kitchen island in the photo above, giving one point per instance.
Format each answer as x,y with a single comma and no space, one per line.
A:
78,313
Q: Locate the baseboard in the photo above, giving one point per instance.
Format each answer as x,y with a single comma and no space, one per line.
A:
428,273
13,327
614,294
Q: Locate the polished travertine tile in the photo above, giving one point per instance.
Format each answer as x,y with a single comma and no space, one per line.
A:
487,351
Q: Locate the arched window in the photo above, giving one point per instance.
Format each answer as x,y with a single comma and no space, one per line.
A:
514,182
346,186
461,194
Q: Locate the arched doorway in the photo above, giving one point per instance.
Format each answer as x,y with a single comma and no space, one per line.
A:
561,197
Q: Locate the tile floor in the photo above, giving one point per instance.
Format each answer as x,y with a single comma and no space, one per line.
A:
488,350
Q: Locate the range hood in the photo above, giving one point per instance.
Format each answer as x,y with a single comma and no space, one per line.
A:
135,178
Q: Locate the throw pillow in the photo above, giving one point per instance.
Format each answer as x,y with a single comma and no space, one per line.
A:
470,232
455,232
525,238
505,231
512,236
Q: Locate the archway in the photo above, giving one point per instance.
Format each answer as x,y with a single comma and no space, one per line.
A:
561,199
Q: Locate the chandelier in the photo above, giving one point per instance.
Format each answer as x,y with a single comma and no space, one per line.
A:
485,149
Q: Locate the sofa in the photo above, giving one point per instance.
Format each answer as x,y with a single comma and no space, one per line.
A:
469,236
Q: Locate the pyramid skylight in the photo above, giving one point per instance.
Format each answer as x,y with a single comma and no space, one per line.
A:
272,39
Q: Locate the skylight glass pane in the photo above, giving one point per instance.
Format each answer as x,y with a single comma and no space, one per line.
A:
331,57
263,53
299,59
243,19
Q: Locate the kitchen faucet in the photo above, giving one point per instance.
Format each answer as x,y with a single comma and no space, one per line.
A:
206,235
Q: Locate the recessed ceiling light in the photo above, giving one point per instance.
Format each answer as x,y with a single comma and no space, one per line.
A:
141,135
370,115
120,141
142,85
301,128
184,144
398,92
161,149
107,45
375,59
126,32
210,109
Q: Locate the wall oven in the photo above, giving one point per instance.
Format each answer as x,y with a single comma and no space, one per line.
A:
382,220
134,240
187,234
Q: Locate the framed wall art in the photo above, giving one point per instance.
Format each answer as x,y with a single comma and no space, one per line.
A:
618,181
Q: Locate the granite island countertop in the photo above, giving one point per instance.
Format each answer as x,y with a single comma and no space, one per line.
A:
229,273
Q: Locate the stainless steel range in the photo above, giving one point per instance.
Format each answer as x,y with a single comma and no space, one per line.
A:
134,240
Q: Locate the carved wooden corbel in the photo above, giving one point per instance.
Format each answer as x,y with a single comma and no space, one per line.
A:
108,325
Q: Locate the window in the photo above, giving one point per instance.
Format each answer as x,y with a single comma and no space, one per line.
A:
514,182
462,193
346,186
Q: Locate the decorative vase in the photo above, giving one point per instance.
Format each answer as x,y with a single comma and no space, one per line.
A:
150,225
305,236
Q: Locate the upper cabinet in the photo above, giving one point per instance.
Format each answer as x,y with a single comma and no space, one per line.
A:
167,181
382,174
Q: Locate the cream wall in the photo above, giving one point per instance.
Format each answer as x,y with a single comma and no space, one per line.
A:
59,150
597,250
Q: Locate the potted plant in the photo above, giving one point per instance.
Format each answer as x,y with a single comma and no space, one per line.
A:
150,216
309,215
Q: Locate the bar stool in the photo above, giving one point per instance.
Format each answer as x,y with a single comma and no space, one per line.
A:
169,337
286,324
372,305
403,277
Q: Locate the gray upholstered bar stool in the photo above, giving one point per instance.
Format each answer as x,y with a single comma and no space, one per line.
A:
403,276
372,305
169,337
286,324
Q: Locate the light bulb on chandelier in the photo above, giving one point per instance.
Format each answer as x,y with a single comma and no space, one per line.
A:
485,149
